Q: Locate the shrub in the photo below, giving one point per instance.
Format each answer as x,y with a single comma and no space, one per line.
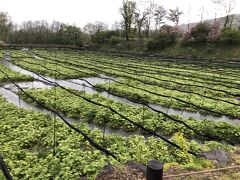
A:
2,43
186,37
163,40
200,32
101,37
114,41
166,37
230,36
213,35
160,41
127,45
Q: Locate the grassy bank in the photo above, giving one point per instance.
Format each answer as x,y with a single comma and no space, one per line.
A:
206,50
220,51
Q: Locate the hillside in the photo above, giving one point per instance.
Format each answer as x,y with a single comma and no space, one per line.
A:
235,22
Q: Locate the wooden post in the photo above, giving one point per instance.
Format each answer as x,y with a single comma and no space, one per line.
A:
154,170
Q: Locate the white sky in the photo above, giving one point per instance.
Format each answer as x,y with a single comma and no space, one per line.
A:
80,12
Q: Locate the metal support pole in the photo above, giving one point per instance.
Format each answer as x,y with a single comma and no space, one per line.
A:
54,123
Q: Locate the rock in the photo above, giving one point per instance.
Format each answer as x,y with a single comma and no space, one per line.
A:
135,165
220,156
82,178
108,169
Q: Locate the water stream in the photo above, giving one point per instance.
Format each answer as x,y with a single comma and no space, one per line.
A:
13,98
83,86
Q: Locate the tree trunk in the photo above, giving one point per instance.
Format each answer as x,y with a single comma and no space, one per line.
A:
226,21
231,20
126,33
140,35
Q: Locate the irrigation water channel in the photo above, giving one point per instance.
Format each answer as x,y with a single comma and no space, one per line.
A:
9,91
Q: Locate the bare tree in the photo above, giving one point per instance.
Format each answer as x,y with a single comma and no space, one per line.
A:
159,14
174,15
189,16
227,6
92,28
55,26
116,26
202,13
141,15
150,9
127,11
5,26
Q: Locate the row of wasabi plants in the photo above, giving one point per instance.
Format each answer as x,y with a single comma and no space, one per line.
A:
166,89
27,147
13,75
27,137
78,108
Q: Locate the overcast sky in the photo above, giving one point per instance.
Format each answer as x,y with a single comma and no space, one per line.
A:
80,12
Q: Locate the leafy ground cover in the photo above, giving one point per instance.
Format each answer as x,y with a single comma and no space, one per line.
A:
78,108
202,87
27,147
26,142
13,75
